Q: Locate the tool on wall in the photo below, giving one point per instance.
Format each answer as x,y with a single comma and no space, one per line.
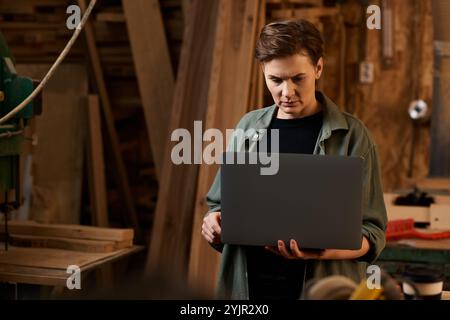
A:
418,113
387,39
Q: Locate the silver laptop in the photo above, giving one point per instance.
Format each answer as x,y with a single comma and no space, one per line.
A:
314,199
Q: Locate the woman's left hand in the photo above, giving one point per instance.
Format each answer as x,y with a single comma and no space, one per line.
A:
293,251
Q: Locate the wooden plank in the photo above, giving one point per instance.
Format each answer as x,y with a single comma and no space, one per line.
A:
122,175
50,275
227,104
434,184
257,84
96,164
58,155
69,231
171,233
291,2
110,17
260,81
153,69
30,275
54,270
98,246
48,258
304,13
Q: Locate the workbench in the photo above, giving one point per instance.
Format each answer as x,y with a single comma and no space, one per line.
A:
408,252
48,267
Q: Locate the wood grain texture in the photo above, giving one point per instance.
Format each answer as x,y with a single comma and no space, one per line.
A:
96,164
383,104
228,96
153,69
122,174
48,258
69,231
171,233
97,246
58,155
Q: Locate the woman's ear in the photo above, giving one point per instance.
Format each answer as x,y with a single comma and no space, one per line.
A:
319,68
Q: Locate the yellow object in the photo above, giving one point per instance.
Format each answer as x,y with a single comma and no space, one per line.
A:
362,292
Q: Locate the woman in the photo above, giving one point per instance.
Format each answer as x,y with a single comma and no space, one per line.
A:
291,57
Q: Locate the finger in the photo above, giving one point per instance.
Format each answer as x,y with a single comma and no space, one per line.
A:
284,252
273,250
208,238
295,250
209,227
213,227
208,233
216,228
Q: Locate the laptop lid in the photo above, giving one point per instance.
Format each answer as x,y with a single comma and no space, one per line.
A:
314,199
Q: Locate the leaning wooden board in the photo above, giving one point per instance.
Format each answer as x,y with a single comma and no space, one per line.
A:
228,97
69,231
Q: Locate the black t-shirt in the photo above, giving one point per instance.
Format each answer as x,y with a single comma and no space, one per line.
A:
271,276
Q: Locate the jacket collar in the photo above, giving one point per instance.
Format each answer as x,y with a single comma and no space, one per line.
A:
333,118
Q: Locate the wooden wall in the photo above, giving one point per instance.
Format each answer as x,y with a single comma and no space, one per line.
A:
383,105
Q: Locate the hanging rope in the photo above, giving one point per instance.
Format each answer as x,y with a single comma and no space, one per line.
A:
54,66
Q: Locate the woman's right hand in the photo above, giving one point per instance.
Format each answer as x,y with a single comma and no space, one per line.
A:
211,227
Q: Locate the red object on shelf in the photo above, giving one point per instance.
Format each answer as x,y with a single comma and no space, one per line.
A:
403,229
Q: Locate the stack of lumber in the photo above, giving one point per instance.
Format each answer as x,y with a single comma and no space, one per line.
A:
69,237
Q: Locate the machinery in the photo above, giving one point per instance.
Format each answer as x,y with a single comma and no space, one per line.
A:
19,102
13,90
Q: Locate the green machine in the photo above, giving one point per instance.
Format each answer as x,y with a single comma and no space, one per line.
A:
13,90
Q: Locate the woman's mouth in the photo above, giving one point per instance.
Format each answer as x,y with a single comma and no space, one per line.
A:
289,104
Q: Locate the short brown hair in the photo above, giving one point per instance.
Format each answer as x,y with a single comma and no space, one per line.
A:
285,38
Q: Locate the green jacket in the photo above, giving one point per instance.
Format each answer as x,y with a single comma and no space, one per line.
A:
341,134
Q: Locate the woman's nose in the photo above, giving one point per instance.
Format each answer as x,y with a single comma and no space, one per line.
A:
288,90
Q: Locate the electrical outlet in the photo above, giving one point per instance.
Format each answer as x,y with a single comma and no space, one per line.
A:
366,72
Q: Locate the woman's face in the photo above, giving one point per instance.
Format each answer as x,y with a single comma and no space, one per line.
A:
292,83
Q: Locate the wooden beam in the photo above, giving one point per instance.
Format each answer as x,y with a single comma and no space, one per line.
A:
304,13
122,175
171,234
153,69
96,164
228,97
